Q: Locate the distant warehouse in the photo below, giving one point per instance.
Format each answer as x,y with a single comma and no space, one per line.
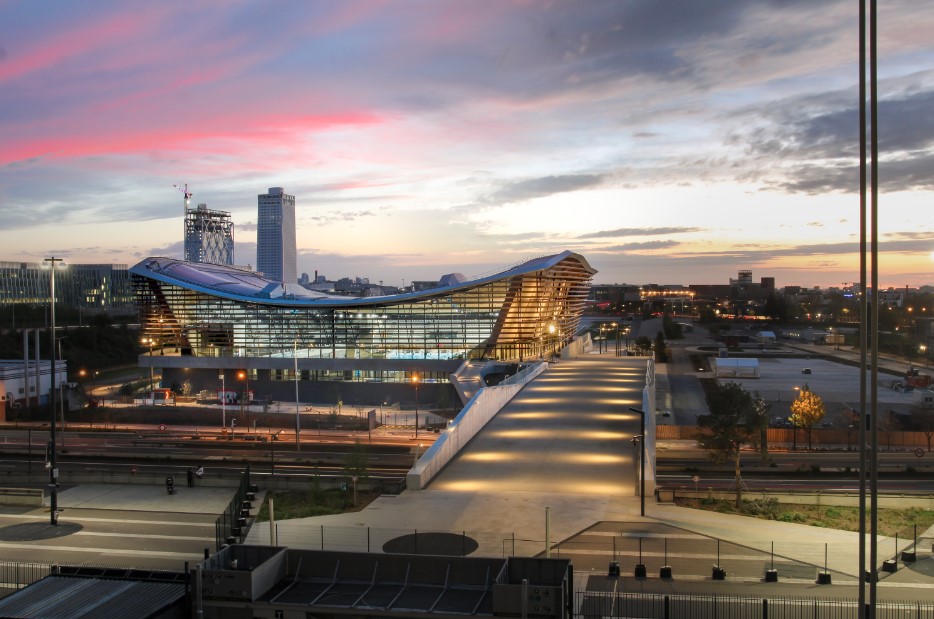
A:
736,368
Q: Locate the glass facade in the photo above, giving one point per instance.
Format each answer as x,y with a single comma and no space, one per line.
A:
84,286
529,311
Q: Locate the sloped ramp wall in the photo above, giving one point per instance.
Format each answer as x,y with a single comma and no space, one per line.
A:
481,408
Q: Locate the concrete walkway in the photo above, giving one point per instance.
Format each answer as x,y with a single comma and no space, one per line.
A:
563,444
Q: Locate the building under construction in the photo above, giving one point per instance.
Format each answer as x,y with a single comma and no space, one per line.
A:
208,236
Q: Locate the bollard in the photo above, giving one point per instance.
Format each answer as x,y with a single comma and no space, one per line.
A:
823,578
718,573
640,570
613,569
664,572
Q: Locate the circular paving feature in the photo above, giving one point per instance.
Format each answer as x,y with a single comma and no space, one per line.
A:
35,531
447,544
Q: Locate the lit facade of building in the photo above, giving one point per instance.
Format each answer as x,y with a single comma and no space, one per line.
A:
211,316
209,236
82,286
275,236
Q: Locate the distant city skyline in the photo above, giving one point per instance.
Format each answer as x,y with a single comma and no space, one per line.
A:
666,142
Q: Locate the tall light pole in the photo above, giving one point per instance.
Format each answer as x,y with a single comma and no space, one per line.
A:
615,325
298,422
246,393
147,341
641,438
223,402
53,465
61,395
415,382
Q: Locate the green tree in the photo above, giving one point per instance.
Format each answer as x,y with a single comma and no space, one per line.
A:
643,344
356,466
734,421
661,351
673,330
806,410
777,307
356,462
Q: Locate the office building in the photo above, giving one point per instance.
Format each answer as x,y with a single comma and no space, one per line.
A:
208,236
275,236
103,287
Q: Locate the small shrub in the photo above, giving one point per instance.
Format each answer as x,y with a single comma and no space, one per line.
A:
832,512
791,517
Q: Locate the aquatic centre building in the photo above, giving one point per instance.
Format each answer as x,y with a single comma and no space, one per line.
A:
203,319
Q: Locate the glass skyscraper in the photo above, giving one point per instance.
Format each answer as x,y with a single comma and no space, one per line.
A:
275,236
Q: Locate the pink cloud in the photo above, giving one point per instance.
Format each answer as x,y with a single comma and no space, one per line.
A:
52,51
201,137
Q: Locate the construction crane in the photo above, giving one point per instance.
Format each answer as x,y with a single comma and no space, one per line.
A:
188,194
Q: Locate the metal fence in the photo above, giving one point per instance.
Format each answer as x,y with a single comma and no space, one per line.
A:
821,438
659,606
412,541
686,554
232,525
15,575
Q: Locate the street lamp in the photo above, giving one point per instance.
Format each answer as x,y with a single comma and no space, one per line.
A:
415,382
223,402
61,395
148,341
551,334
53,468
641,441
298,423
241,375
615,325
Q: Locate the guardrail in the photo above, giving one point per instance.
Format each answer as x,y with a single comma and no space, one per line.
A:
481,408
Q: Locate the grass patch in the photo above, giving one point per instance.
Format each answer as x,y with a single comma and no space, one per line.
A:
892,522
314,502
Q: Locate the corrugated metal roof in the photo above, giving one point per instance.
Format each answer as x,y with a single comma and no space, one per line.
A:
66,597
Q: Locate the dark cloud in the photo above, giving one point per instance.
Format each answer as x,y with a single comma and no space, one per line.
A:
620,232
647,245
819,137
336,216
518,191
915,173
924,235
172,250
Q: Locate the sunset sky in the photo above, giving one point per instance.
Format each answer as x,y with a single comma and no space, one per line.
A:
670,142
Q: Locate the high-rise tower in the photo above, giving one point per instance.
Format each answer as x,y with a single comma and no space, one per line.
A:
275,236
